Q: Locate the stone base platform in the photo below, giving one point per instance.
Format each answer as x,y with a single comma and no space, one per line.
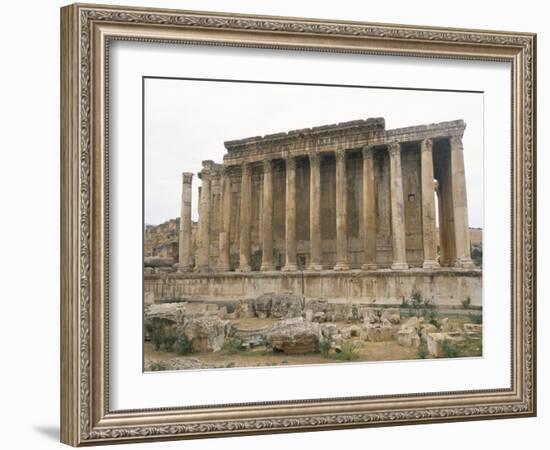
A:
444,286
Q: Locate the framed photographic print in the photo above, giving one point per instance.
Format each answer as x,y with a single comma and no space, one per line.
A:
274,224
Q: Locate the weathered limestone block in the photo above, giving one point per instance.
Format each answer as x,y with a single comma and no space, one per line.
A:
412,322
262,306
317,305
246,308
344,311
279,306
207,334
251,337
435,342
328,330
308,315
148,298
426,329
286,305
376,315
473,327
445,326
377,332
294,336
172,312
408,337
319,317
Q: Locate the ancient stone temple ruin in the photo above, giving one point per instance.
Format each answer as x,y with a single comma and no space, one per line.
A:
340,211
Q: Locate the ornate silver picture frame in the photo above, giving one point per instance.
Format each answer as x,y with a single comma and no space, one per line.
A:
87,35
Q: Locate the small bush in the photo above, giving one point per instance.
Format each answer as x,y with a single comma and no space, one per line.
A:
431,317
325,346
157,335
450,350
348,353
183,345
475,318
157,367
422,351
233,346
169,341
466,303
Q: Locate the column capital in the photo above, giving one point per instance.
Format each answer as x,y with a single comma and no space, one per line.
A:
394,148
268,165
368,151
315,159
245,168
187,177
427,145
456,141
340,154
290,162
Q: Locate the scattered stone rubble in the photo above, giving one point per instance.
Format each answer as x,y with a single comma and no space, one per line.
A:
300,326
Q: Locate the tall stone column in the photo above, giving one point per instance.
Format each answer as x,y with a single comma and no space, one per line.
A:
224,260
244,236
267,218
203,264
185,223
428,205
369,208
460,204
290,215
341,212
397,208
315,212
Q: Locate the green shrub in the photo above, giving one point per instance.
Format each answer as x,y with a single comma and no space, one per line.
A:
466,303
348,352
475,318
169,340
183,345
422,351
157,334
431,317
325,346
450,350
233,346
157,367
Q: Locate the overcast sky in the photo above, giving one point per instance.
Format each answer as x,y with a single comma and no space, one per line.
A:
187,121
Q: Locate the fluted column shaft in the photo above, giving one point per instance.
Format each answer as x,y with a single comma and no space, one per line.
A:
397,208
369,209
428,205
185,223
204,222
315,212
224,260
244,236
460,204
267,218
290,215
341,212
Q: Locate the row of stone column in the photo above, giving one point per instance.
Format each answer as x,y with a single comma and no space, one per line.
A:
369,215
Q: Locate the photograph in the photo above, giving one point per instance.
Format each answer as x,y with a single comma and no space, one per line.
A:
290,224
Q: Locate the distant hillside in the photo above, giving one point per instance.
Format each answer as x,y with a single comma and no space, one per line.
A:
163,240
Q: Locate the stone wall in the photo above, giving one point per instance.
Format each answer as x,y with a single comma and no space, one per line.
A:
443,287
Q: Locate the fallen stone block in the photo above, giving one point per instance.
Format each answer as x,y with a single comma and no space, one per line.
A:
294,336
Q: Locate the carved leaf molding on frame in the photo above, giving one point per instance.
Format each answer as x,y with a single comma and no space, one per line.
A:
87,16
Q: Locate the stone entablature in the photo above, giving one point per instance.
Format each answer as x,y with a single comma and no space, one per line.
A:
340,197
329,138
